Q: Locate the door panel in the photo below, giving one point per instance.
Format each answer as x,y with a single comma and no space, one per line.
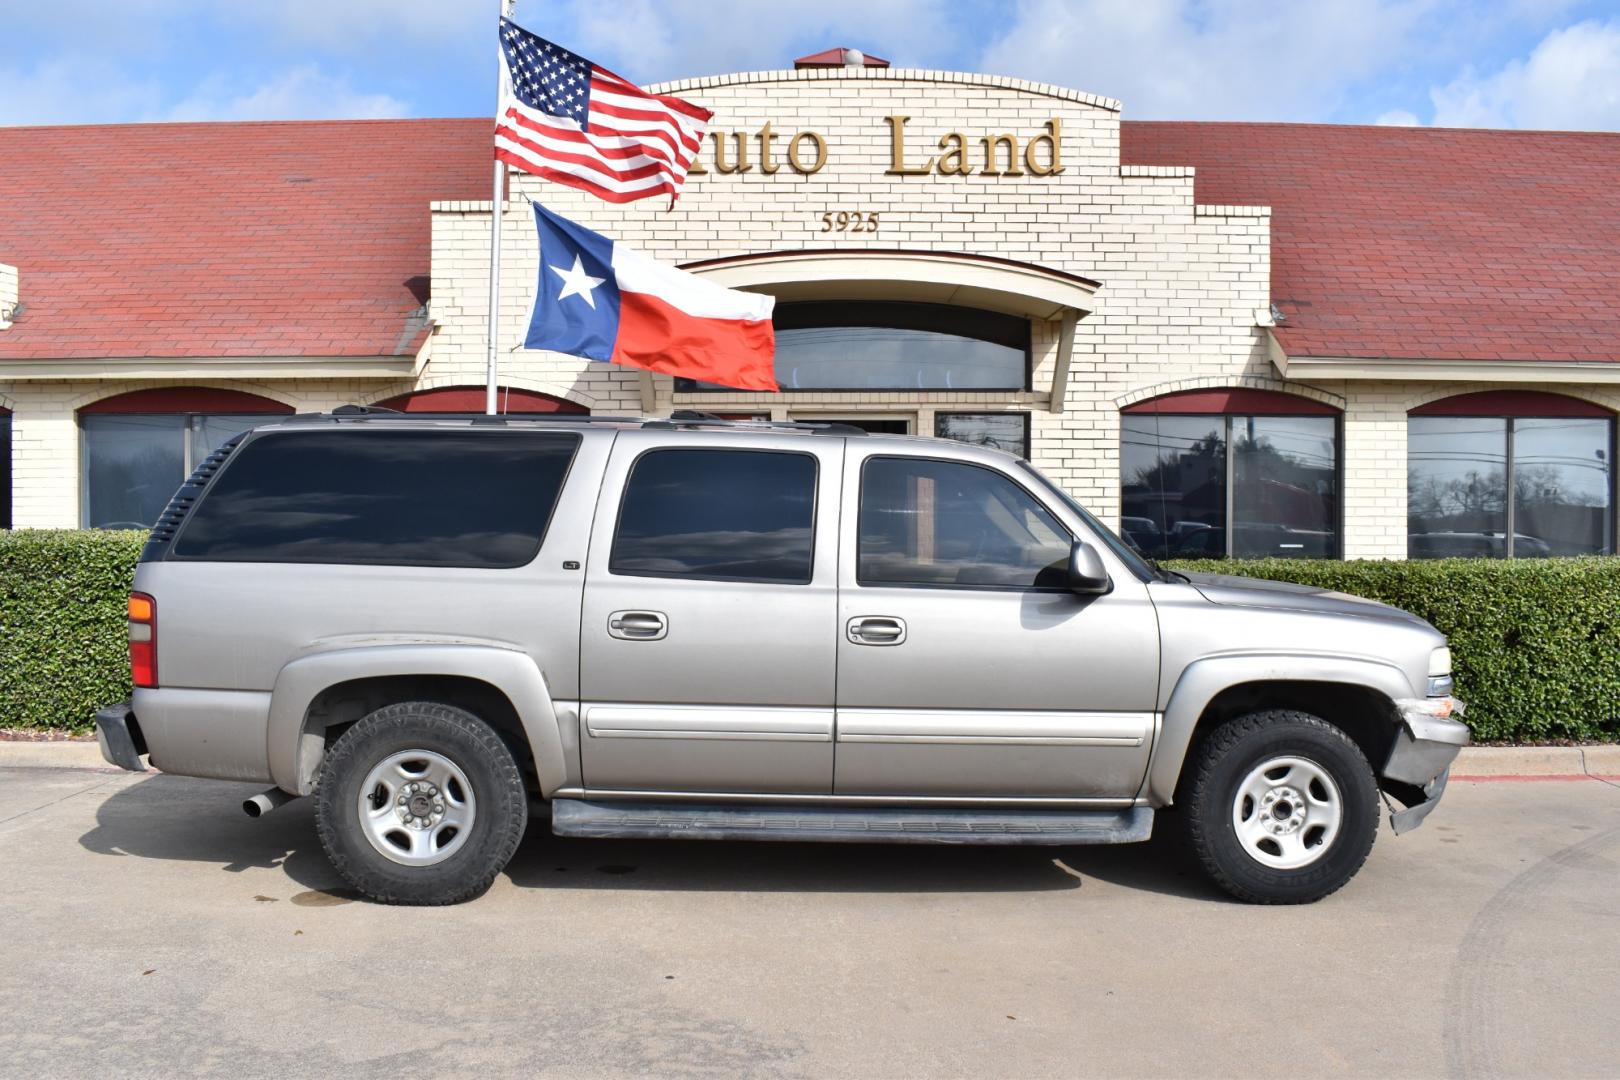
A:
693,678
716,748
993,691
991,752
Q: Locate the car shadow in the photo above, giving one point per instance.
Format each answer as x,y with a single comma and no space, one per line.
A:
174,818
200,821
1163,864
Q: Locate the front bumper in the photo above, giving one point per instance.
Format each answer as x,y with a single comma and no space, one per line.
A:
1419,764
120,737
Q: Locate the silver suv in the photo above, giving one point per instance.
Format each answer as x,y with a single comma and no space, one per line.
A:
699,629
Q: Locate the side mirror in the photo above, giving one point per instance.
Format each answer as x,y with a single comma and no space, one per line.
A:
1087,576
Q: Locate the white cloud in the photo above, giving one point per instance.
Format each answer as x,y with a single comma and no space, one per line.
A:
655,40
56,92
171,59
1570,81
348,24
333,24
1225,60
301,93
1397,118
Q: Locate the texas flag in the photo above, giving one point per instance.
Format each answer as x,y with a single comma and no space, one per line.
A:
605,301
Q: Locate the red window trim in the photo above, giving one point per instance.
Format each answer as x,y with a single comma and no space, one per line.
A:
1232,400
470,399
1515,403
186,399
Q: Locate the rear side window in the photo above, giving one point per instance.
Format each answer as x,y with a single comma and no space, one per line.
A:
728,515
392,498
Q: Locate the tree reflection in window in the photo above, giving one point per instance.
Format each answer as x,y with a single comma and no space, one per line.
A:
1460,470
1202,486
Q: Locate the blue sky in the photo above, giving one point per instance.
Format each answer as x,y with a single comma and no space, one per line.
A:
1508,63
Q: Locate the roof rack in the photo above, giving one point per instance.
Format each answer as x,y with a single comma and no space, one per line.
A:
680,419
352,413
361,410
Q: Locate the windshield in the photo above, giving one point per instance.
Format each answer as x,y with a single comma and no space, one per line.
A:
1120,548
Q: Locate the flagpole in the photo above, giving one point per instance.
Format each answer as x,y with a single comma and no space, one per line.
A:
499,197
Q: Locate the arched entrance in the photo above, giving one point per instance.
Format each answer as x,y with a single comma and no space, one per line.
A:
922,342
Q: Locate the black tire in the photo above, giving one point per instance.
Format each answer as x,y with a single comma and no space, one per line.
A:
1221,762
501,804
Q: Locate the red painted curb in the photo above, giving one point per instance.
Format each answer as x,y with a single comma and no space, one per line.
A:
1537,778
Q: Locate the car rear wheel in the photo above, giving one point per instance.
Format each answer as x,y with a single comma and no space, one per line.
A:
420,803
1282,807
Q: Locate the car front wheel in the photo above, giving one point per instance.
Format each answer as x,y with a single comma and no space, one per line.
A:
1282,807
420,803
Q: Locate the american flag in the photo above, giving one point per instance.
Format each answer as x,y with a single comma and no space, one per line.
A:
566,119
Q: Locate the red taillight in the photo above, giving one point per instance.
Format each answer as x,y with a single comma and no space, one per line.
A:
143,640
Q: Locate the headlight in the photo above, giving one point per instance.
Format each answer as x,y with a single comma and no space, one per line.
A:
1441,708
1440,681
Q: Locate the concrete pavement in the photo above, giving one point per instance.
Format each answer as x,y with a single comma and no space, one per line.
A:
152,929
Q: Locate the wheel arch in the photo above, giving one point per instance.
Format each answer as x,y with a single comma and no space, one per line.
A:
1353,694
317,696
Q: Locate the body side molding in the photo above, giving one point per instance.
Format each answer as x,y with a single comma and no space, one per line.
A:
757,722
994,727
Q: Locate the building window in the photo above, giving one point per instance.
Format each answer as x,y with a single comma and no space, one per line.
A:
1246,472
1007,431
878,345
139,447
5,469
1503,474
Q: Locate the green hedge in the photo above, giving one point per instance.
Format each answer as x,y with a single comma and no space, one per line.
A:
64,633
1535,643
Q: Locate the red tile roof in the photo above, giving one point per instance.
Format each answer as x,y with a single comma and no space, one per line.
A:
246,239
312,238
1419,242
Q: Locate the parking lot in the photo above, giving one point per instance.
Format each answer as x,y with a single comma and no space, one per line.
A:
153,929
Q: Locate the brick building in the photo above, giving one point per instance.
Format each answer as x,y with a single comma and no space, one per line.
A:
1255,338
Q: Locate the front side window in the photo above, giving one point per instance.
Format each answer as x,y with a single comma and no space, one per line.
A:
718,515
1250,485
133,462
999,431
873,345
926,522
1509,487
381,497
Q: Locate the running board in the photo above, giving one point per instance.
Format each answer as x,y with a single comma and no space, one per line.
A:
871,825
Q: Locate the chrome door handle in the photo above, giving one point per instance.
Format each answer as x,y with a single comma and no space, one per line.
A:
638,625
876,630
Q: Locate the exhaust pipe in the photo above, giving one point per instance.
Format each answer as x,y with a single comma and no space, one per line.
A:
266,801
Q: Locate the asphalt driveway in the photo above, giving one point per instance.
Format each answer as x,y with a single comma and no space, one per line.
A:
153,929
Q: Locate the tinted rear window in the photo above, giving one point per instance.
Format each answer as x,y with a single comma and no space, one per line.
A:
729,515
398,498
